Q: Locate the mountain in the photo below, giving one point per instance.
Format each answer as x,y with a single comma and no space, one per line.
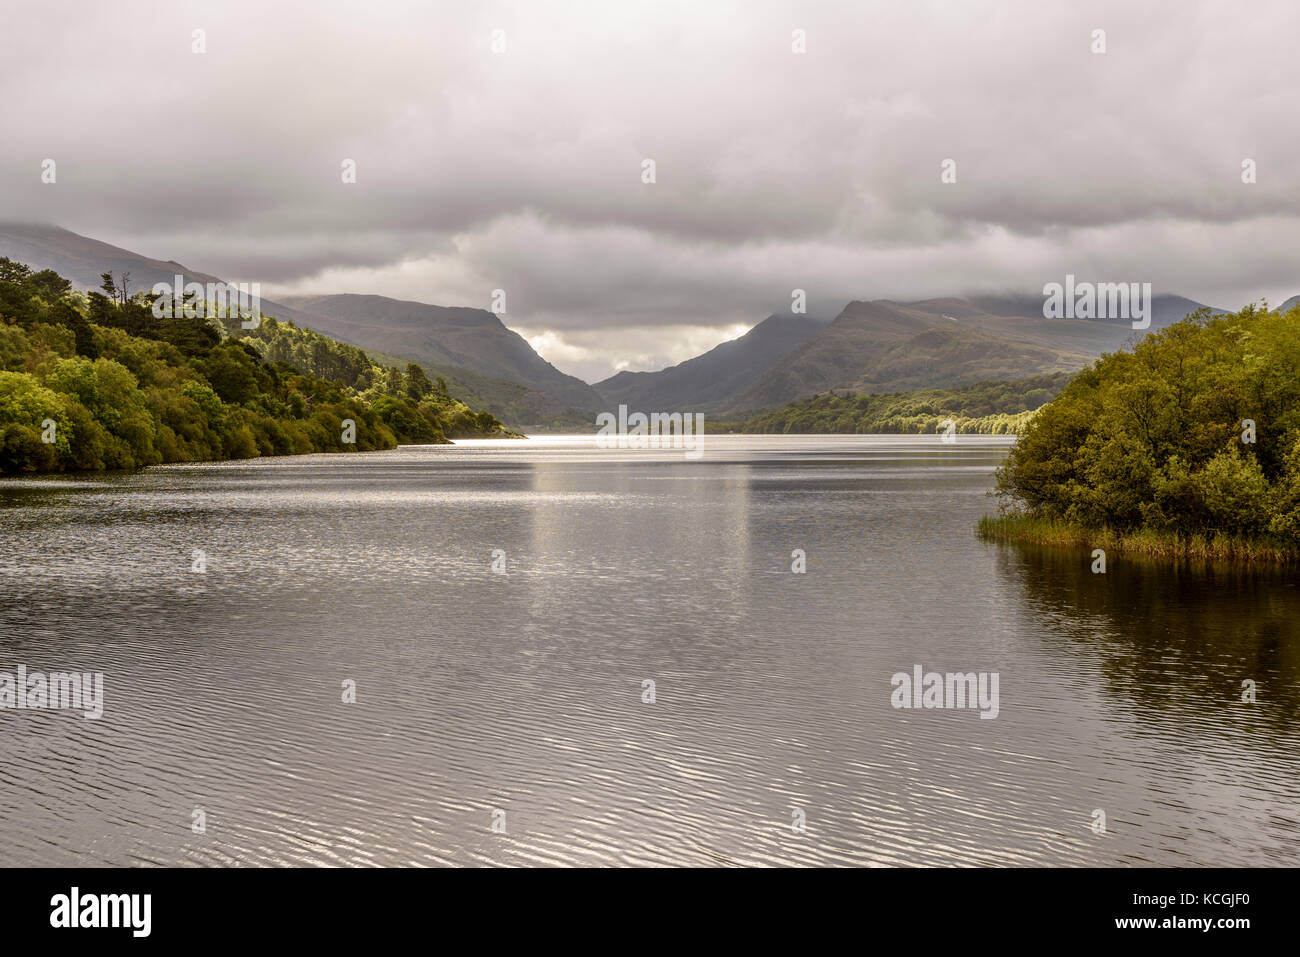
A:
1288,305
953,356
81,259
439,336
834,356
886,346
485,363
699,384
1165,309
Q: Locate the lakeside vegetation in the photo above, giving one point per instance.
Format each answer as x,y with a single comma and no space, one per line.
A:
1186,446
995,406
524,408
1142,543
94,381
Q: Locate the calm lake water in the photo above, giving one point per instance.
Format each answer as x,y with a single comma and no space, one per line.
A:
479,693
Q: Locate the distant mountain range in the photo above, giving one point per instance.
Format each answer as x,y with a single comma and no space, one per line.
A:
871,346
884,346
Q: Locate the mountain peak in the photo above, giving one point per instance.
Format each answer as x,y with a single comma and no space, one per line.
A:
699,384
460,336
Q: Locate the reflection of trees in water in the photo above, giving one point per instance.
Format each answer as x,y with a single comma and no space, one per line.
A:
1171,636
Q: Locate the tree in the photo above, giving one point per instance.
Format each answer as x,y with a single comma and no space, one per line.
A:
48,285
11,271
118,292
1193,432
66,314
417,383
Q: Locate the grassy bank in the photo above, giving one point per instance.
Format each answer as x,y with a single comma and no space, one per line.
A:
1024,529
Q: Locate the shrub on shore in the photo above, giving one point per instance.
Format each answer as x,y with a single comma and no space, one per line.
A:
1188,444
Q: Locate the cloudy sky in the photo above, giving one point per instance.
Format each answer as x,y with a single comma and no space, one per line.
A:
522,169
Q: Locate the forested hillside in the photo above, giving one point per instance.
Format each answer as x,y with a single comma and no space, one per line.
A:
95,381
996,406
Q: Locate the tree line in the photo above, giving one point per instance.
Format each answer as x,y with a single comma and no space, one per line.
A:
993,407
95,381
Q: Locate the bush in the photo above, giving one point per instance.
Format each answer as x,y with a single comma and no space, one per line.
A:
1160,438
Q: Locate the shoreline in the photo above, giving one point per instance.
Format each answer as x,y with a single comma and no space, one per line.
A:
1147,544
93,473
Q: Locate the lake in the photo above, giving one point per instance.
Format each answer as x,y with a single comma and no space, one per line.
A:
503,715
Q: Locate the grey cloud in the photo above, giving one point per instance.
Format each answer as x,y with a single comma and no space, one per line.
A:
522,170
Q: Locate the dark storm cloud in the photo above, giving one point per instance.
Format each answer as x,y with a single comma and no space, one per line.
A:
522,170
